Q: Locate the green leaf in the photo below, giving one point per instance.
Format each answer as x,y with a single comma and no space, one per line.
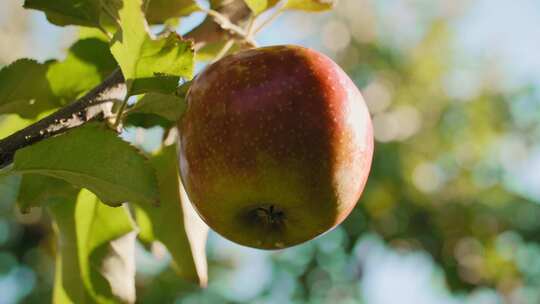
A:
66,12
102,14
149,65
211,50
156,109
12,123
159,11
9,187
95,158
37,190
88,62
170,107
84,228
175,222
29,88
24,89
146,121
259,6
92,13
91,32
310,5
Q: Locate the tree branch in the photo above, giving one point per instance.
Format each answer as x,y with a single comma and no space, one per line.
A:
97,103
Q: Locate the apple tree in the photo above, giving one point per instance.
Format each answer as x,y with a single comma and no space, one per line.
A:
289,115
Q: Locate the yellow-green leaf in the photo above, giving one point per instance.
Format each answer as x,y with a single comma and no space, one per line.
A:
85,228
259,6
24,89
310,5
148,64
175,222
92,13
87,63
159,11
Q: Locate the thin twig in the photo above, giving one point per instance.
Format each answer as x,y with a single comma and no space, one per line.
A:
270,19
250,24
226,24
228,45
120,112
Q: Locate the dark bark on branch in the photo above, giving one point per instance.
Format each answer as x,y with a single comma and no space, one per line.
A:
97,104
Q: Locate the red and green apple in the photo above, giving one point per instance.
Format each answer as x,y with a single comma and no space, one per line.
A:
275,146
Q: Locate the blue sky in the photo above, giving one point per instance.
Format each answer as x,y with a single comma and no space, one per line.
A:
507,31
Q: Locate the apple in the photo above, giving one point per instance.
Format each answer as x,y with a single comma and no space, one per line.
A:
275,146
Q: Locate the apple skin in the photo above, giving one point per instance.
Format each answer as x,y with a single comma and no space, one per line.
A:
275,146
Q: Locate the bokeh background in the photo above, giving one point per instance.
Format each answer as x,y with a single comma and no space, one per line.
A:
451,211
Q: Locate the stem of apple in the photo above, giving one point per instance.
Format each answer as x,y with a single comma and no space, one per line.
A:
270,19
236,31
120,111
224,50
